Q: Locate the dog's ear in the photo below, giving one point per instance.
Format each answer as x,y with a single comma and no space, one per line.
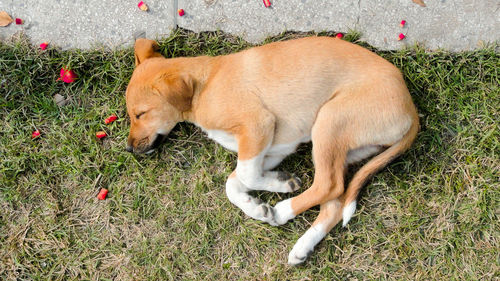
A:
177,89
145,49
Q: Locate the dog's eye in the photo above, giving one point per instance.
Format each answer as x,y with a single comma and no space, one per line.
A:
139,115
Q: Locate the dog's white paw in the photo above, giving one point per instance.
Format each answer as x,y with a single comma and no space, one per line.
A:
265,213
299,253
292,183
283,211
305,245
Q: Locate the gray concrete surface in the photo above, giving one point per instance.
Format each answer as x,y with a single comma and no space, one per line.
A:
444,24
88,23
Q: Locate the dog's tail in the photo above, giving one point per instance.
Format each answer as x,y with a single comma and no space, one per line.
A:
374,165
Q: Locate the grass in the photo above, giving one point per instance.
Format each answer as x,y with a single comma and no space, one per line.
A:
433,214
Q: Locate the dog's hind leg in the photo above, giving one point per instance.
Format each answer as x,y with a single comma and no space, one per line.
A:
330,214
330,137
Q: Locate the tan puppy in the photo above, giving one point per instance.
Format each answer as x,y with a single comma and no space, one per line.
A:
263,102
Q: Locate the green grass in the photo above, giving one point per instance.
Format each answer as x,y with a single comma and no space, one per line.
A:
433,214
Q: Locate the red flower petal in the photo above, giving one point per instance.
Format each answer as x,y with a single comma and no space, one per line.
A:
401,36
142,6
402,24
100,134
339,35
67,75
44,45
180,12
19,21
267,3
110,119
102,194
35,134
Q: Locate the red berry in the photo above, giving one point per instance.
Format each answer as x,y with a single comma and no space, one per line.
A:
402,24
19,21
267,3
339,35
102,194
180,12
35,134
401,36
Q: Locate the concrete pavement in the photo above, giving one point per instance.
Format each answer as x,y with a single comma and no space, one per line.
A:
454,25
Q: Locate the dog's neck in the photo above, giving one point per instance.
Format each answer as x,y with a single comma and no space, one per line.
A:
199,70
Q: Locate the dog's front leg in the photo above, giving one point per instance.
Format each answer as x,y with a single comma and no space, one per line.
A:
254,175
272,161
251,206
254,138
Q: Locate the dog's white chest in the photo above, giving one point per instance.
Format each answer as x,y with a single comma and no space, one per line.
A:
228,141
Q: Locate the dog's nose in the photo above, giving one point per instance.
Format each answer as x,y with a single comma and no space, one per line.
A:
129,148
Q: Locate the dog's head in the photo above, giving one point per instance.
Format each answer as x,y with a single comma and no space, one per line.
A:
157,95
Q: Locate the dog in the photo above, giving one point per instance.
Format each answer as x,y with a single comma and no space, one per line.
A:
263,102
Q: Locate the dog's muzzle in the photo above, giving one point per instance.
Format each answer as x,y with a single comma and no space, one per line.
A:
154,145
